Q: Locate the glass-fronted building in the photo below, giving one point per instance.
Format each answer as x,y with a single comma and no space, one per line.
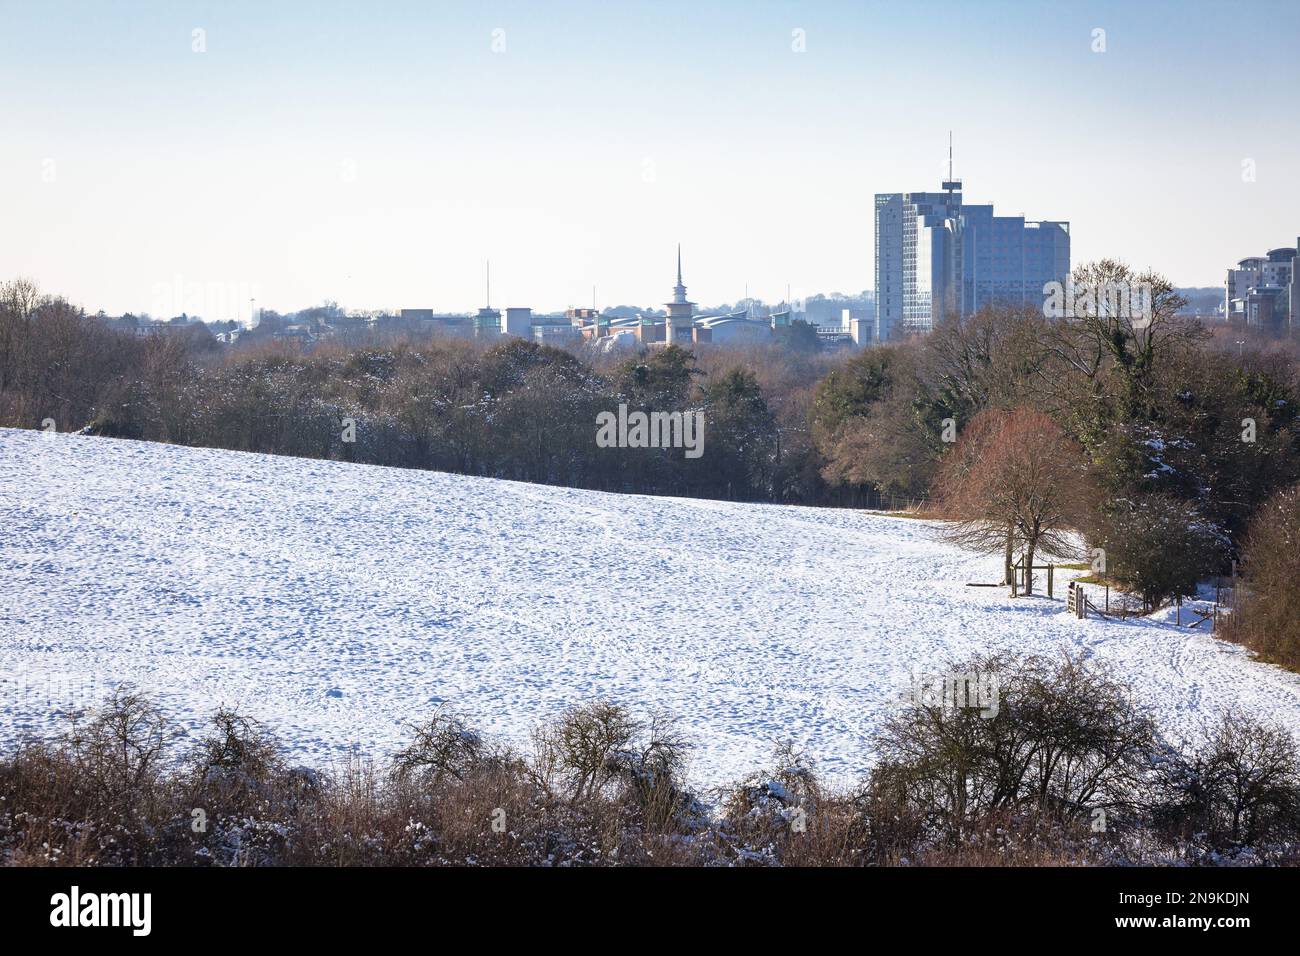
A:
936,256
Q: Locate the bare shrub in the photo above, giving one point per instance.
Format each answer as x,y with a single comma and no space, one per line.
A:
121,750
1082,744
1064,741
953,788
585,745
651,770
443,746
599,751
44,803
238,768
1242,790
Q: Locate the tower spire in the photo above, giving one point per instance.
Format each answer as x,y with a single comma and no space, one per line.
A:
951,185
679,290
681,312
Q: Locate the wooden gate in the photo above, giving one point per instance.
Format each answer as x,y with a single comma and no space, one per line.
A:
1077,601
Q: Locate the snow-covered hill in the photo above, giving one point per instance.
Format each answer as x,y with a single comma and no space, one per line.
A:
338,601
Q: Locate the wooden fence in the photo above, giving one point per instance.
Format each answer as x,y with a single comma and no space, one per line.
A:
1020,576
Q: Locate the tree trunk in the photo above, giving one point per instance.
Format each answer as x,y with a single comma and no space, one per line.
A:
1007,559
1029,565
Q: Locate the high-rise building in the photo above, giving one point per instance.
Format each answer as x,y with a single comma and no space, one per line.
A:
1006,259
1263,291
937,256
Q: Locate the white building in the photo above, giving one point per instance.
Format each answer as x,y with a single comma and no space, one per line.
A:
1262,291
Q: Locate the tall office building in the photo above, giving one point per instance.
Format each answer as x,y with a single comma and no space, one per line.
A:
1263,291
937,256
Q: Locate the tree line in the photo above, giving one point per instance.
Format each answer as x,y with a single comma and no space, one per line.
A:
514,409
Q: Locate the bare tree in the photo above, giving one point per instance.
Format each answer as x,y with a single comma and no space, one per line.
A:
1118,318
19,299
1012,479
959,495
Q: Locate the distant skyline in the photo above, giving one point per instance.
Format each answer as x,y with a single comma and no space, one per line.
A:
377,154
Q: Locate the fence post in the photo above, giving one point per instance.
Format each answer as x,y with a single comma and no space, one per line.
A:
1051,568
1073,594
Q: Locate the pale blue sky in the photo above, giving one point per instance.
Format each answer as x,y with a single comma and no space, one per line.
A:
376,153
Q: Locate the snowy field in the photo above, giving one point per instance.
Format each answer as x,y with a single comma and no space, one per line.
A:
338,602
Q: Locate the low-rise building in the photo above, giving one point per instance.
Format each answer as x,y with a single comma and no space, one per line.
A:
518,321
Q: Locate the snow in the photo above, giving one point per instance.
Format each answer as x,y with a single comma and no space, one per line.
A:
338,603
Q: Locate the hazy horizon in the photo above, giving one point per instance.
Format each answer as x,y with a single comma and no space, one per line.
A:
376,156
